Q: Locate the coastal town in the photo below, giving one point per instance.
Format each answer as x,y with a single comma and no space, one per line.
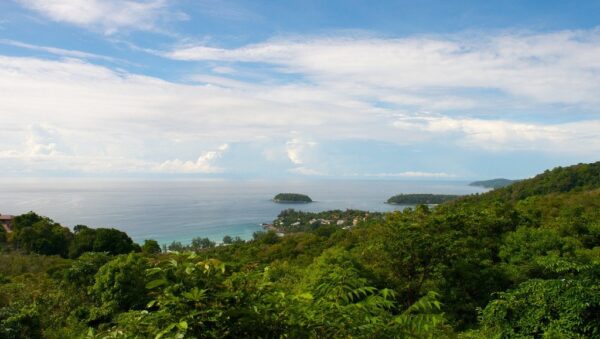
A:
291,221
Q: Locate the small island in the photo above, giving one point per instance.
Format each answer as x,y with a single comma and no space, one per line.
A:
428,199
293,198
493,183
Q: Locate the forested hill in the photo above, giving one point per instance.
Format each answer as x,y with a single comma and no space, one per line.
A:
518,262
578,177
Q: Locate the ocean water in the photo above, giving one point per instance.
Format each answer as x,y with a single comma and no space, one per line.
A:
178,210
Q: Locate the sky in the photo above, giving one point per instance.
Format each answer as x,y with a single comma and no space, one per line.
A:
223,89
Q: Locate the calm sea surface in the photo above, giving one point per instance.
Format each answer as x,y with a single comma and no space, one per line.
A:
167,210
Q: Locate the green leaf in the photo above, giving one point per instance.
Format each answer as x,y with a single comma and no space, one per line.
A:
156,283
306,296
152,271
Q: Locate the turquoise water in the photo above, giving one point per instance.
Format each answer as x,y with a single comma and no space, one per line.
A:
176,210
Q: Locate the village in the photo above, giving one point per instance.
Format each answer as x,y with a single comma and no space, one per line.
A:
291,221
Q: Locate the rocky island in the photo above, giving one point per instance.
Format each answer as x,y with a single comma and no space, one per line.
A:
293,198
409,199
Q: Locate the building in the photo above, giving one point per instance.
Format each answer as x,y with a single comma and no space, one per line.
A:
6,222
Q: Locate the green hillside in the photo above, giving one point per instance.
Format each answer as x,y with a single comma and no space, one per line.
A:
559,180
521,261
580,177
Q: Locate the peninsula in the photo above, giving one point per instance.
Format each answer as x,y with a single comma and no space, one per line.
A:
493,183
294,198
402,199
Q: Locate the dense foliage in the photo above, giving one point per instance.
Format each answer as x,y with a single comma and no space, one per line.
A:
3,237
518,262
292,197
37,234
198,243
427,199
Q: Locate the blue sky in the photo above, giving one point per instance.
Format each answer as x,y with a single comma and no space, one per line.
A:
444,90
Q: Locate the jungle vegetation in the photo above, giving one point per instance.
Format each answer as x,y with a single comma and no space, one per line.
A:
521,261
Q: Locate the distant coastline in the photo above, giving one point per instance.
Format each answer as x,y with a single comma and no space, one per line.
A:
493,183
212,209
428,199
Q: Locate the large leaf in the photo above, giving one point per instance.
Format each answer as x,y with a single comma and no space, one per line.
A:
156,283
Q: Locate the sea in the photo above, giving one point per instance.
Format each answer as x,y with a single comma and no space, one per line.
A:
169,211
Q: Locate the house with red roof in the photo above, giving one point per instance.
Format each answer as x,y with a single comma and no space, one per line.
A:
6,222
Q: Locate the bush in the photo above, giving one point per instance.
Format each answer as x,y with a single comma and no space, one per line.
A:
82,271
151,246
120,284
44,237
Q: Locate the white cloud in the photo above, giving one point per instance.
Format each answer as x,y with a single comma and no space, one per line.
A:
40,142
105,120
297,149
41,150
500,135
223,70
59,51
306,171
557,67
204,164
107,15
104,114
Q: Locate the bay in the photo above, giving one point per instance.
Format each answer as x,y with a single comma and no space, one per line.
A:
181,210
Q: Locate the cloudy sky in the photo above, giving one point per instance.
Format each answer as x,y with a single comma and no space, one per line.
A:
312,89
